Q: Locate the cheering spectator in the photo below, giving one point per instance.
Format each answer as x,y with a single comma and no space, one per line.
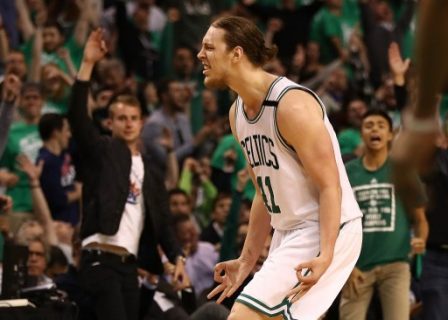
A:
58,175
118,235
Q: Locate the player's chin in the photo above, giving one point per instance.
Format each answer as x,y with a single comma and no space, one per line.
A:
213,83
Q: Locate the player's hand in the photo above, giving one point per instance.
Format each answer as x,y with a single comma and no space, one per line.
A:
230,275
356,278
308,273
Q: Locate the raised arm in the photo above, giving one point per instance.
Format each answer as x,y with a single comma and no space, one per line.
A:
40,205
4,43
82,25
300,123
82,126
9,99
25,23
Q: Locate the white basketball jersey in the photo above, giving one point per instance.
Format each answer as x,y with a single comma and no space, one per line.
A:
287,191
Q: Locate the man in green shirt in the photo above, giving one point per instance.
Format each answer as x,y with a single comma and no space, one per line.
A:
326,31
23,139
383,263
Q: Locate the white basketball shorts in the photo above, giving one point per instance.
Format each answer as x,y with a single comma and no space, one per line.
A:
266,293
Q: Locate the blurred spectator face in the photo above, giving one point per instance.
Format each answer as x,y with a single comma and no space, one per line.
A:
383,12
51,82
242,232
15,64
31,103
64,231
125,122
338,80
27,231
376,133
52,39
264,254
289,4
334,4
103,98
389,92
188,236
151,94
209,102
355,111
63,136
141,15
221,210
35,4
205,167
312,52
37,262
276,67
112,73
179,204
175,97
183,62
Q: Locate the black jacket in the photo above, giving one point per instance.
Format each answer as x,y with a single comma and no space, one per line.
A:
106,166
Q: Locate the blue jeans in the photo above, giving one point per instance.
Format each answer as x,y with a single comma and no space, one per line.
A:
434,285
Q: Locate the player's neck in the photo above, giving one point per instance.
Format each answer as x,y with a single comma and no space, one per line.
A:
375,159
252,86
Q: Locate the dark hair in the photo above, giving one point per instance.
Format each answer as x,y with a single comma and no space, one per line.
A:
127,99
219,197
177,191
244,33
31,86
180,218
57,257
163,86
56,25
48,123
380,113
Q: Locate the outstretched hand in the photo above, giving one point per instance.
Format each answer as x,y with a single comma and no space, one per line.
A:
308,273
11,88
95,48
230,275
398,66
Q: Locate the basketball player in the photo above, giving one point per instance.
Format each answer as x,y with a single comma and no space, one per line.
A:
302,188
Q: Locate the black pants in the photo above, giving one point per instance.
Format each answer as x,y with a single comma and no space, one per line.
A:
113,284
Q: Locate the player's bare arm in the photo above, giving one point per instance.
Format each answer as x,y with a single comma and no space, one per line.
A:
300,121
231,274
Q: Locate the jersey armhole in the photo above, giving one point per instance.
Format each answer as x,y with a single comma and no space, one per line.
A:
284,91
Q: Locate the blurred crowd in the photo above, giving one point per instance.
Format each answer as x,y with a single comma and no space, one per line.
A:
357,55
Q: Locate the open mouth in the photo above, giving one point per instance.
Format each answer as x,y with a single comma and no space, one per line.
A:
206,68
375,138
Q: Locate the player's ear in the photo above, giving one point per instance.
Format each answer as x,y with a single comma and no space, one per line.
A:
237,54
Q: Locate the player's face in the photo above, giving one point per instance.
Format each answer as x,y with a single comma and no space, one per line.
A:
126,122
376,133
215,58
